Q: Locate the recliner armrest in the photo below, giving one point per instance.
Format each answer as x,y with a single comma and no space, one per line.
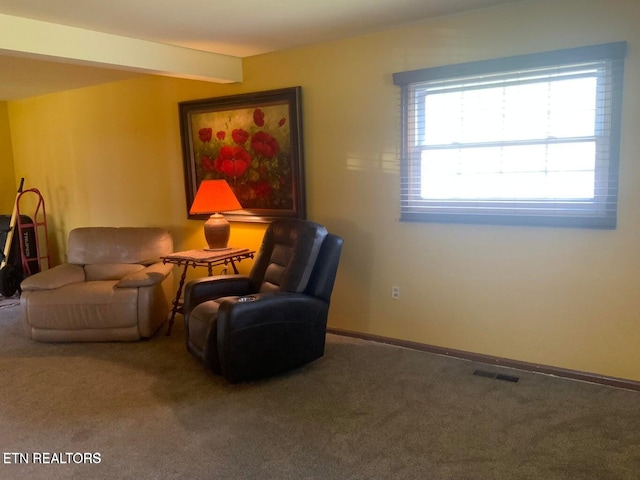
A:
210,288
56,277
148,276
243,312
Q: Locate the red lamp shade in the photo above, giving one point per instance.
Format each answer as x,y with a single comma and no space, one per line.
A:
215,196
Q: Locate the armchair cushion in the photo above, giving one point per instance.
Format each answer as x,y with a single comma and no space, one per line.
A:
145,276
90,245
55,277
287,255
83,305
110,271
202,331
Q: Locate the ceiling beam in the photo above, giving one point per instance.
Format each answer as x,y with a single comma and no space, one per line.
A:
42,40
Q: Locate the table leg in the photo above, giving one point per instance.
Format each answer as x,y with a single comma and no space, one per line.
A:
233,264
176,301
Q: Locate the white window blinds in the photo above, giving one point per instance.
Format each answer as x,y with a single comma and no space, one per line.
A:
532,139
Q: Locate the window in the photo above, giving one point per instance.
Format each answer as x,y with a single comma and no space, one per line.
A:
532,139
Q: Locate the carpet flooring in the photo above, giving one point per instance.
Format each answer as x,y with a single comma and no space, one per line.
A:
366,410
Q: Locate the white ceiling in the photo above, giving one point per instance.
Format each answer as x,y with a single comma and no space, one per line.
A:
240,29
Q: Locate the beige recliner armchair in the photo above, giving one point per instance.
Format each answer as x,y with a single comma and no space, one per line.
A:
114,287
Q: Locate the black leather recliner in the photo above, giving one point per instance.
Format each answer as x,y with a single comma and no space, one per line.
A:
274,319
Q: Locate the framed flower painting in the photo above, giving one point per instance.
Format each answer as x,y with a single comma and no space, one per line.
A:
254,142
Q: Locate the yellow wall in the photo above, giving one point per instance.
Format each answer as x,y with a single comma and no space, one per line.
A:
8,185
110,155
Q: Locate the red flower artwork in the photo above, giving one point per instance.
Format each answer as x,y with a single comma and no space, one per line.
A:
262,189
250,149
207,164
258,117
205,134
232,161
264,144
240,136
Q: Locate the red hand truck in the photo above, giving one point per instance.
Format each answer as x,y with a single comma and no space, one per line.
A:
33,248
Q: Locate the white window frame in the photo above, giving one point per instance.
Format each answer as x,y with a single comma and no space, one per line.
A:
599,211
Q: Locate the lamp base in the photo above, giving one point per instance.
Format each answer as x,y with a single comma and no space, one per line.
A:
220,249
216,232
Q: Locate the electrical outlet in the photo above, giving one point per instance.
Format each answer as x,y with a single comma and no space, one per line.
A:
395,293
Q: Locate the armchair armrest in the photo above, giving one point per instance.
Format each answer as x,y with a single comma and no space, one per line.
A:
209,288
56,277
148,276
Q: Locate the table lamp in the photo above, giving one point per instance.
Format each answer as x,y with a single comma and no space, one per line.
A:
215,196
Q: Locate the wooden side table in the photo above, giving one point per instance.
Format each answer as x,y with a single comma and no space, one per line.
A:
201,258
